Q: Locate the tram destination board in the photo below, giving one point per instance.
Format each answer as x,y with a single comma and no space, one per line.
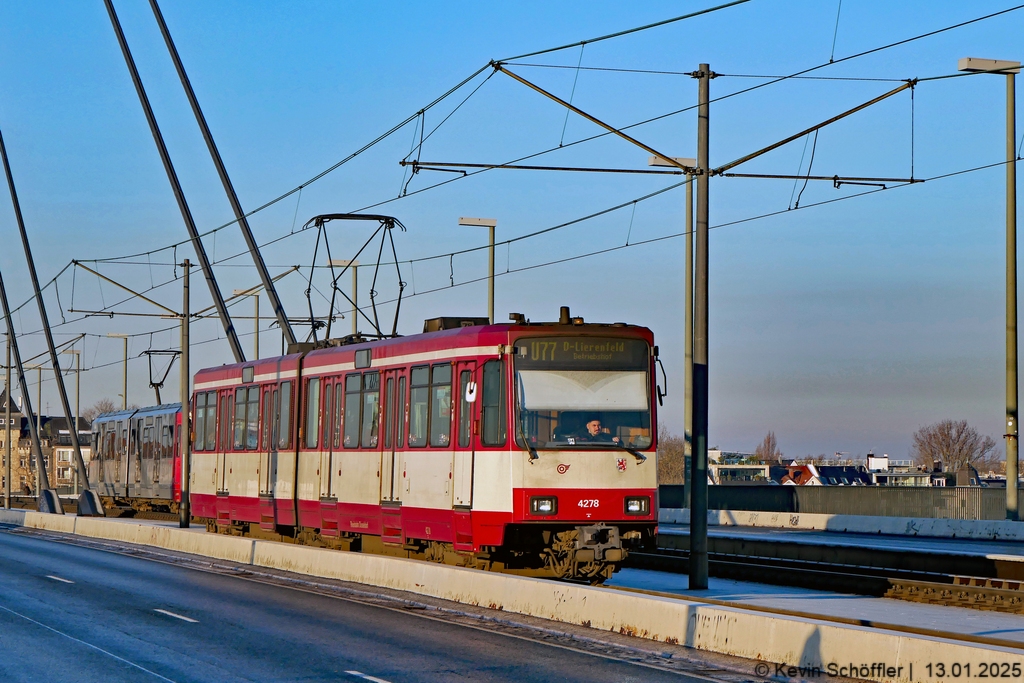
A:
581,353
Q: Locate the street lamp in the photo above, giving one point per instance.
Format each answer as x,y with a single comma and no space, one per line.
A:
256,316
78,396
354,265
1009,69
124,396
490,224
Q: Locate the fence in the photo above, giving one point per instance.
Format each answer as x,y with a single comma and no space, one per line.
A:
954,502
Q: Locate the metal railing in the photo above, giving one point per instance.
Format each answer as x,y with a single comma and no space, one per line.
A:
952,502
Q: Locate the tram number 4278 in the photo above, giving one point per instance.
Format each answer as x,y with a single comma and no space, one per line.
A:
589,503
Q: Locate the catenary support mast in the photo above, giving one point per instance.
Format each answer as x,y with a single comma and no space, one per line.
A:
699,462
179,195
185,432
89,504
229,189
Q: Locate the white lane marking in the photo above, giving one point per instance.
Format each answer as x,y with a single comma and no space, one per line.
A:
367,677
90,645
57,578
177,616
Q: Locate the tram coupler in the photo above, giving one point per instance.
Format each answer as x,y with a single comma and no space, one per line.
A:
599,542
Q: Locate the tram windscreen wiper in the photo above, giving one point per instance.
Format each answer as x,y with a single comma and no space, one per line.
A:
640,457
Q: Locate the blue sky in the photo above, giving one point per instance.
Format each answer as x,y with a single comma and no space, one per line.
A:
842,327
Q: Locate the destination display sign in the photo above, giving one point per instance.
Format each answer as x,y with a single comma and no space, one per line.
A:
581,353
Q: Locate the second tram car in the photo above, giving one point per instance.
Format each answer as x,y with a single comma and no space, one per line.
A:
523,447
136,459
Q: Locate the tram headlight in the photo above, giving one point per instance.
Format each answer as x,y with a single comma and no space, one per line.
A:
543,505
638,505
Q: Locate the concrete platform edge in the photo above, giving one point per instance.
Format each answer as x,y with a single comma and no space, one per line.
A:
989,530
732,631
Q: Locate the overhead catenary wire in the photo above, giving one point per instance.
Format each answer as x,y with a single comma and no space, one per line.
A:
797,75
599,252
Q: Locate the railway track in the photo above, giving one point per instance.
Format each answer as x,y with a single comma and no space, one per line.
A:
984,593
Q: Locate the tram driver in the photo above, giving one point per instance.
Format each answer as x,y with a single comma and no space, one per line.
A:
593,431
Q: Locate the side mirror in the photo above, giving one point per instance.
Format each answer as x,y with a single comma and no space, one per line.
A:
471,392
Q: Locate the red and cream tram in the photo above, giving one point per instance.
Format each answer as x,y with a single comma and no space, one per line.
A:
525,447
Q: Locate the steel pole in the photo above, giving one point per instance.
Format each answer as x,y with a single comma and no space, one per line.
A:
51,503
78,405
185,433
688,343
39,421
7,428
256,327
490,270
229,189
699,462
124,377
179,194
1012,511
355,299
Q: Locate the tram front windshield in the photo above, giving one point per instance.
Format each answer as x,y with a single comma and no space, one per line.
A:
583,392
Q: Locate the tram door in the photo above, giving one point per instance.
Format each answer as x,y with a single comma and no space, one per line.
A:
394,435
467,420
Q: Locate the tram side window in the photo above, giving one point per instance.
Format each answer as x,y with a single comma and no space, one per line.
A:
239,440
419,406
312,427
339,412
353,384
440,405
268,421
389,412
465,409
494,431
252,418
328,417
225,422
284,415
371,410
200,422
147,440
402,412
211,421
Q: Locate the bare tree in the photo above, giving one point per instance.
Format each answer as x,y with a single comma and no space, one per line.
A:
955,444
768,450
104,405
671,458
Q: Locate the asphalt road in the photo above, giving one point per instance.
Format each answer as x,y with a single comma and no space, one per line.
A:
77,613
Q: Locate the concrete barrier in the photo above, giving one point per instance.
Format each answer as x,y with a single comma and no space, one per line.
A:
16,517
755,635
813,647
193,541
989,530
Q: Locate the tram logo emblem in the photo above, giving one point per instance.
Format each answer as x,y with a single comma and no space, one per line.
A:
621,464
563,468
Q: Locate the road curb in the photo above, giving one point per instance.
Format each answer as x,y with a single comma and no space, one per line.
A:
808,645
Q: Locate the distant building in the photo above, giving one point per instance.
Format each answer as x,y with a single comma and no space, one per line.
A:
736,474
717,455
55,440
